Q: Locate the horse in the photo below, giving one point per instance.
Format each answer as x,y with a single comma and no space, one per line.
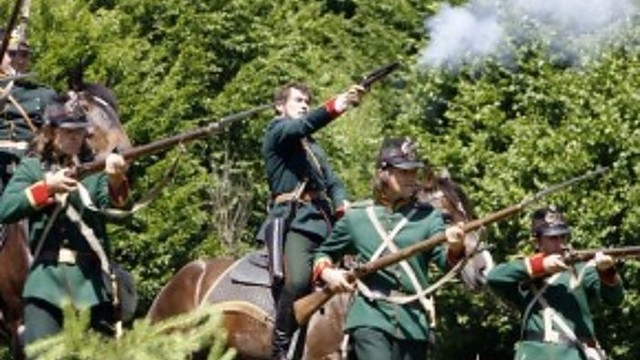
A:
15,260
99,105
247,322
456,207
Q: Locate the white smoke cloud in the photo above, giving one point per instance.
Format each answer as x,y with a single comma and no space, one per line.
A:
575,30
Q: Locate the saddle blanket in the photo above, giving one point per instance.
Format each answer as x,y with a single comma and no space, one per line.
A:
246,280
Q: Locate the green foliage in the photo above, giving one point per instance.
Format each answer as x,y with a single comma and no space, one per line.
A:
508,133
177,338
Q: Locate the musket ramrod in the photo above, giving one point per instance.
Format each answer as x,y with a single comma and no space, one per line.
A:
306,306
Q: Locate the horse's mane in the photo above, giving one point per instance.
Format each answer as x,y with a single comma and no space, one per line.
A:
450,189
453,190
76,82
102,92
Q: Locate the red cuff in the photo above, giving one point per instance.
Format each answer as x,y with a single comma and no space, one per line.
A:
340,212
535,265
319,267
120,194
452,258
38,194
330,106
609,276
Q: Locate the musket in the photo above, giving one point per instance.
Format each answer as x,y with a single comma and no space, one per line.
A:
572,256
21,28
16,77
306,306
130,154
11,24
378,74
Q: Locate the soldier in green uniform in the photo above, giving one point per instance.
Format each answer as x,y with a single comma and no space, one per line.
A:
391,315
553,298
300,177
67,224
22,108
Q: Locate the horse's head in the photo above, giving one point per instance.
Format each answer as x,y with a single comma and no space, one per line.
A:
451,200
100,106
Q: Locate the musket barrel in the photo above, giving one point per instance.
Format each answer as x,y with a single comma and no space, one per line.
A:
166,143
17,6
433,241
585,255
378,74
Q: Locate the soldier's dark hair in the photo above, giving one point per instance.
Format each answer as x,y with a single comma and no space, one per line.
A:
281,94
378,184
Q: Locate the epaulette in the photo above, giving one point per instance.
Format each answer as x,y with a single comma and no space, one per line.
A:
361,204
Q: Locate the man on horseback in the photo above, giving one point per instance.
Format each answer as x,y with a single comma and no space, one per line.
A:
553,297
392,314
22,102
304,191
67,220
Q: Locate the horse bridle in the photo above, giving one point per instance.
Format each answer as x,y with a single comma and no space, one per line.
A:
432,196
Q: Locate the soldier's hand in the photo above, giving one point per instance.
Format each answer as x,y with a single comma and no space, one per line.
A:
336,279
603,262
342,209
115,165
455,238
349,98
554,263
58,182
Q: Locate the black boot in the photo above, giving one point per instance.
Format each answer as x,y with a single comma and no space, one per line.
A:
280,345
285,326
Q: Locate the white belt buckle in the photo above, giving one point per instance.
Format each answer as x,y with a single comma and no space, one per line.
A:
67,256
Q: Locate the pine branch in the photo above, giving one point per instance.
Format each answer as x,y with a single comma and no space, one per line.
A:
176,338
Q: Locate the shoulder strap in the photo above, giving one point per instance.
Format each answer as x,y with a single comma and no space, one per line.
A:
387,239
56,212
91,238
387,243
312,156
24,114
537,293
549,315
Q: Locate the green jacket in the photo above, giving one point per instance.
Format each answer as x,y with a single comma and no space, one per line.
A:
81,283
355,234
287,164
568,297
33,99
